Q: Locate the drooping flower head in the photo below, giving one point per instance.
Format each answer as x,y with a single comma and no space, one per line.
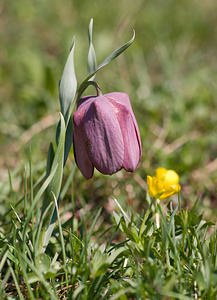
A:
163,184
105,134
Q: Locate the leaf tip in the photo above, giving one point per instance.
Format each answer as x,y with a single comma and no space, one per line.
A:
72,43
134,35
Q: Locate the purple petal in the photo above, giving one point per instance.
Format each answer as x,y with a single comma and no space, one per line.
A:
123,98
80,148
132,151
84,102
105,141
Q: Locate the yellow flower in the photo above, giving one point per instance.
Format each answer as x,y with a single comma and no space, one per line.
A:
163,184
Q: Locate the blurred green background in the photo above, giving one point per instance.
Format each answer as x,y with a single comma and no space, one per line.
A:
169,73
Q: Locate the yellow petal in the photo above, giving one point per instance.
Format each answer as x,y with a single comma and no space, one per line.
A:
170,191
171,178
151,188
159,184
166,195
160,173
149,180
176,187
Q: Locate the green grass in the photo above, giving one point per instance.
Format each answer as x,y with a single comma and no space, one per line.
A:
98,250
129,257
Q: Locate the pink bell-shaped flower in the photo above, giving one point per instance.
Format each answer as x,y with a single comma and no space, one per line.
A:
105,134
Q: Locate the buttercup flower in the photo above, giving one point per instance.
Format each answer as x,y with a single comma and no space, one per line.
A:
163,184
105,134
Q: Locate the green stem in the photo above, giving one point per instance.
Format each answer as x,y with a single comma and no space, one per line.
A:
85,85
157,215
143,223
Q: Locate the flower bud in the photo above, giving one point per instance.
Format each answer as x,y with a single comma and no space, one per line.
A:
105,134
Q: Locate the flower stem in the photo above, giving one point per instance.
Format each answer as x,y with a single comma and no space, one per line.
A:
85,85
157,215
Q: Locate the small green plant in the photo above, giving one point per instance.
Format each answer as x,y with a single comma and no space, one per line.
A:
69,94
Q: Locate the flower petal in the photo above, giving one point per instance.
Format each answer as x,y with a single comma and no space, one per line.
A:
151,190
131,145
176,187
80,152
171,178
167,194
160,173
84,102
103,133
123,98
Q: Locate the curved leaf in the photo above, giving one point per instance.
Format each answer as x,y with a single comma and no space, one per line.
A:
107,60
68,83
116,53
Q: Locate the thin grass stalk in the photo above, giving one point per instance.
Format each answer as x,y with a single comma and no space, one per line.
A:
4,258
172,242
71,246
25,190
93,224
4,281
11,187
145,218
31,189
23,198
15,281
25,277
38,234
62,242
68,182
37,198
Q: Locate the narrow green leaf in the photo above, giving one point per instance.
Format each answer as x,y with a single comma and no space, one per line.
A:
41,178
91,54
50,158
43,216
174,295
68,182
116,53
37,198
4,258
115,254
55,184
68,137
5,279
25,277
54,187
15,281
68,140
62,242
126,217
121,293
94,224
78,290
108,59
68,83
